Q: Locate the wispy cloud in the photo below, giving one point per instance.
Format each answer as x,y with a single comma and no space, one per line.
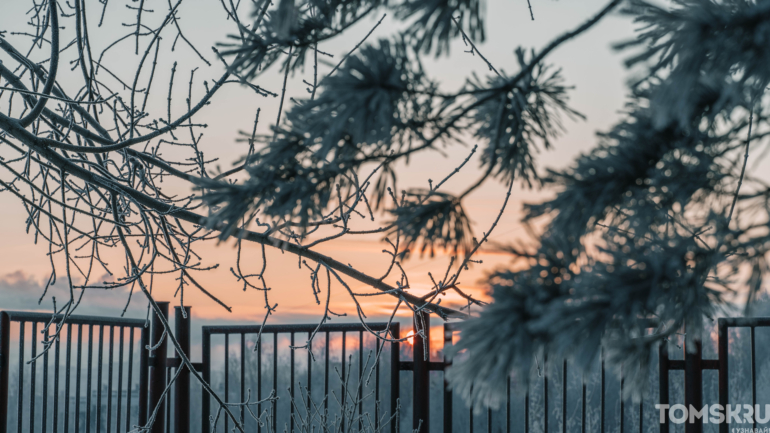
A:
21,291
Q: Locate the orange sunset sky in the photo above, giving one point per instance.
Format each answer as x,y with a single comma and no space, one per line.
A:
588,63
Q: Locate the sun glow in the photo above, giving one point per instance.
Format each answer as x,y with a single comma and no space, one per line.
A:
410,338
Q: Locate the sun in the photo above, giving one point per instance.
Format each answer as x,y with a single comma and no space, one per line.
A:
410,337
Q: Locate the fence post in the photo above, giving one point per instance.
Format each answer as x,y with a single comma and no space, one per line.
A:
421,374
693,385
158,370
206,373
5,360
662,383
182,384
447,392
395,376
144,375
723,383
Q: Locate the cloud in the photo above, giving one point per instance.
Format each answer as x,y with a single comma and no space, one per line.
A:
18,282
20,291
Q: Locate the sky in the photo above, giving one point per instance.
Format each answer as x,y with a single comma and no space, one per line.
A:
588,63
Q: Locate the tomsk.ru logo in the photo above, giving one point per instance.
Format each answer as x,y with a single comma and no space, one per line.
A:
718,414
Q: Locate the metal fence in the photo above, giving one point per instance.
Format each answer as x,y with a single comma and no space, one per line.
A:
326,333
47,396
98,377
722,363
553,384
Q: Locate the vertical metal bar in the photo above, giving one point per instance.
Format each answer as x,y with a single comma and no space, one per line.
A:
243,377
291,384
545,393
723,382
583,407
663,381
99,381
564,399
421,374
622,401
158,370
641,402
67,379
693,385
32,372
259,381
169,375
144,376
5,368
109,380
309,375
326,376
508,406
120,381
377,345
77,378
206,358
144,372
44,417
754,376
343,392
275,378
20,388
167,400
526,410
395,375
601,399
182,385
88,376
360,380
56,358
447,391
489,420
227,374
129,382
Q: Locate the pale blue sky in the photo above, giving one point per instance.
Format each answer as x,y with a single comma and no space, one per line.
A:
588,63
